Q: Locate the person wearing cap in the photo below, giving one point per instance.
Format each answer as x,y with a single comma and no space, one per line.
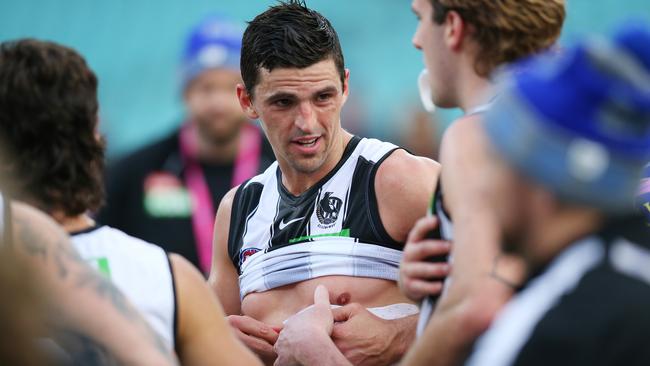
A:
569,138
167,192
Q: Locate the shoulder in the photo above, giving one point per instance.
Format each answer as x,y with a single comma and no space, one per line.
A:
249,192
228,199
183,270
402,171
116,239
464,135
403,187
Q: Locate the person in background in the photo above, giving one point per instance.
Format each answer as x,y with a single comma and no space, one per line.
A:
57,166
166,193
421,132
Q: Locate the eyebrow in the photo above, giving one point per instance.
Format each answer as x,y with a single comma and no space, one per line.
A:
280,95
286,95
327,89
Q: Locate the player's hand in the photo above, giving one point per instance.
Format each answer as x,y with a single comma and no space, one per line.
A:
366,339
257,336
306,335
419,277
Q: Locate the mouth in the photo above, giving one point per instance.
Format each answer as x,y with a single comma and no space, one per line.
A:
306,144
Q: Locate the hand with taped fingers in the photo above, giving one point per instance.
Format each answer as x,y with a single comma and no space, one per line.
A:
305,338
256,335
419,277
366,339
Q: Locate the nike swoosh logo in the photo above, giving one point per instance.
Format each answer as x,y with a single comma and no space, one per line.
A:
283,224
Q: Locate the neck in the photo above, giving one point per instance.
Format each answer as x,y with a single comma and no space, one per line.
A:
567,227
73,224
474,90
297,182
216,152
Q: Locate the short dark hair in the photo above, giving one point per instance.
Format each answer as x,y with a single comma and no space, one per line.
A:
288,35
48,121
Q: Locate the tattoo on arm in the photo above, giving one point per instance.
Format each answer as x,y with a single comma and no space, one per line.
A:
83,350
69,265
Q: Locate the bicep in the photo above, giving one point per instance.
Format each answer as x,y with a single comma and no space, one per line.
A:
204,336
223,278
464,153
404,185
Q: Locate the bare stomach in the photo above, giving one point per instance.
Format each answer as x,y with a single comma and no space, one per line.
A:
274,306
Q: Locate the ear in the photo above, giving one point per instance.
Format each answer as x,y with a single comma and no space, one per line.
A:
246,102
455,30
346,85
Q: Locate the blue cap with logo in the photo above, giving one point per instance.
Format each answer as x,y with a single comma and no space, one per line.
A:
578,122
213,43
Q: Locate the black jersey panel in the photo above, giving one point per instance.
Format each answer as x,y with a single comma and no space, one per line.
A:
244,204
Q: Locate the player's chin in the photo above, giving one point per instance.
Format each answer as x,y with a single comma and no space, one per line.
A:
308,165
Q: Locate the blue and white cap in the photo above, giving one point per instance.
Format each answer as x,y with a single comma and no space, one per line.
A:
578,123
213,43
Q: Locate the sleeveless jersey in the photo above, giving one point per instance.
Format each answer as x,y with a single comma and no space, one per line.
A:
587,307
140,270
333,228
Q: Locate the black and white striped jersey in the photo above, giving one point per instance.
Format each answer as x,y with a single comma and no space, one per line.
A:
590,306
333,228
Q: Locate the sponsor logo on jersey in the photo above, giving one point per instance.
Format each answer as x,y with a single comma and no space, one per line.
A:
283,224
245,253
328,209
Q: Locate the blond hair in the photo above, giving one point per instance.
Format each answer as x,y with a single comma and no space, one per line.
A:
506,30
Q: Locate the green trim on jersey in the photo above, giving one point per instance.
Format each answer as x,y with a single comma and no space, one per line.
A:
344,233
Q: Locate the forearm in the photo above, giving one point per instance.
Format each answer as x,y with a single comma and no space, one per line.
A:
475,246
451,331
442,342
405,336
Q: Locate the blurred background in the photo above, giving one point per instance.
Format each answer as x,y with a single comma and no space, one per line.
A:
135,48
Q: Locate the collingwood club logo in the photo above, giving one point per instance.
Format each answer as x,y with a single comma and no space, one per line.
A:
328,210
